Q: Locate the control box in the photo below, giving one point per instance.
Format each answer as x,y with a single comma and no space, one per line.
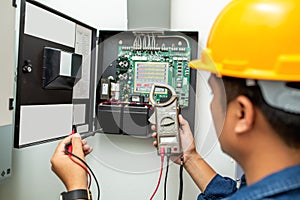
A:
129,62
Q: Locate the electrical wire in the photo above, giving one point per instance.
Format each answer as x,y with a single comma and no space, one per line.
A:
175,36
166,177
69,147
85,169
181,178
97,184
162,158
83,164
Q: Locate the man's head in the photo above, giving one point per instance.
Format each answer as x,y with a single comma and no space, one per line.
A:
254,47
285,123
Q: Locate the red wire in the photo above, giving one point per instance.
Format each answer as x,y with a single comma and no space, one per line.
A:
81,165
70,147
162,156
84,167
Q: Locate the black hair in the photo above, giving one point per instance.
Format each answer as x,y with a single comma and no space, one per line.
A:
285,124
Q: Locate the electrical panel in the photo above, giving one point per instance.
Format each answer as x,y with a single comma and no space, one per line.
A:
131,61
62,81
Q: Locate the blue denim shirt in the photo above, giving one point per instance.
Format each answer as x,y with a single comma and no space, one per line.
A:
281,185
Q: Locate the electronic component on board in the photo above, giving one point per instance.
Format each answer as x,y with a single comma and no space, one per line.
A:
105,89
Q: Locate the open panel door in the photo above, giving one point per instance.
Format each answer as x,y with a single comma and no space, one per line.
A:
55,75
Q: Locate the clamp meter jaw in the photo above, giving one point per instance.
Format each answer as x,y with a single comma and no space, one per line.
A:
165,117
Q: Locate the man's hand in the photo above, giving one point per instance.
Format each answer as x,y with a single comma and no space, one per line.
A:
187,140
194,164
71,174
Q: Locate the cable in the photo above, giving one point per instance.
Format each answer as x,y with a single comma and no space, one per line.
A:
162,158
97,184
166,178
85,169
69,147
181,178
166,175
175,36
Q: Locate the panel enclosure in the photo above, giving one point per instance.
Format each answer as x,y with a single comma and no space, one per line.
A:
129,62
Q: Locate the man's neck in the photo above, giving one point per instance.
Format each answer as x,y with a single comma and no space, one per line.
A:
271,160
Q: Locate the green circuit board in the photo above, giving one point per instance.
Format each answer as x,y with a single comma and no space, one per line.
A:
138,68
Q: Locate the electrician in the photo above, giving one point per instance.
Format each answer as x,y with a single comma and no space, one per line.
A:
254,52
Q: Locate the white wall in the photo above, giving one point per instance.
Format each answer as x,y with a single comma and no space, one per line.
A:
196,15
126,167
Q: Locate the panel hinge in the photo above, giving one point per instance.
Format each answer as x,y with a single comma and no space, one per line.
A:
11,104
14,3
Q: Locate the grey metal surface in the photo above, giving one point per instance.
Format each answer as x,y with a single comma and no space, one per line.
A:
6,139
145,14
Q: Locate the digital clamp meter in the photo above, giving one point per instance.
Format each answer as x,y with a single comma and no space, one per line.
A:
165,117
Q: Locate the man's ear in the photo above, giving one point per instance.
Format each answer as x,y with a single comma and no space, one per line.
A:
245,114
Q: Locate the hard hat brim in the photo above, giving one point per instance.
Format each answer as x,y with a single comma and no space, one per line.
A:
204,63
198,64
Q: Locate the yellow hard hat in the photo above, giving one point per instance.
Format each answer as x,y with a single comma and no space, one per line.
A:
256,39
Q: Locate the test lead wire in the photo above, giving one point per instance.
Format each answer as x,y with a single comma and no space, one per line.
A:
162,158
68,150
97,184
166,175
181,178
